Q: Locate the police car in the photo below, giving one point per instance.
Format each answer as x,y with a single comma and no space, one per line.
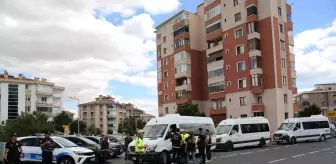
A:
65,152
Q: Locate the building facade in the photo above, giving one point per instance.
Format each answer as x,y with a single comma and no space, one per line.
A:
20,94
324,96
246,49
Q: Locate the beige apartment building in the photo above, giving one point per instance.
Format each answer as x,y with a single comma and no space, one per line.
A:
232,57
323,95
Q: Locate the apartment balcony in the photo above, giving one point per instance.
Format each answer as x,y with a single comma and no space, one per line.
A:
257,89
44,104
258,107
183,74
218,111
254,52
57,96
251,2
114,122
27,103
44,93
112,115
253,35
293,74
186,60
215,64
183,96
214,48
217,95
186,87
214,35
254,71
182,35
28,92
290,40
181,23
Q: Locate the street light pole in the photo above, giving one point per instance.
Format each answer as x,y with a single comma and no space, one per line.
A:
78,113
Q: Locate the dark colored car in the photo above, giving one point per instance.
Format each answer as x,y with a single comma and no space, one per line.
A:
84,142
116,139
115,148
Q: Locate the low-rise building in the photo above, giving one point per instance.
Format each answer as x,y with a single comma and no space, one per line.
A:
147,117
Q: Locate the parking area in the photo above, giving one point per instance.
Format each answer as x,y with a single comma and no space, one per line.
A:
301,153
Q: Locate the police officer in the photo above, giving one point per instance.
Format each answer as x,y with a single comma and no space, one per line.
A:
104,143
201,145
208,145
140,147
128,140
13,151
47,146
176,140
184,136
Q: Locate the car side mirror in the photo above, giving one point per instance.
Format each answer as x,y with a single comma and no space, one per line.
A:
233,132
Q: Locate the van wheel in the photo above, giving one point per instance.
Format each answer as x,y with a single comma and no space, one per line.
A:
163,158
278,142
229,147
322,138
66,160
262,143
293,141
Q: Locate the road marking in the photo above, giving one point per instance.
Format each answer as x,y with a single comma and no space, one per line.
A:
276,148
246,153
262,150
231,155
326,149
213,158
278,160
288,146
312,152
298,155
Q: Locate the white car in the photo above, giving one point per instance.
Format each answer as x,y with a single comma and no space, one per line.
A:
65,151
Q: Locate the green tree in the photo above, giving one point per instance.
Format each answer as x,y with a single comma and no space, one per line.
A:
63,118
74,127
130,125
310,110
110,131
189,110
92,130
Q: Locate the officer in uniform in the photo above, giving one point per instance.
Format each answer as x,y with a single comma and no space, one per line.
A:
47,146
208,145
140,147
176,140
13,151
201,145
184,136
128,140
104,143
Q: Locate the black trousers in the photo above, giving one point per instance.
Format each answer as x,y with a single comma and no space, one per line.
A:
176,154
47,157
201,150
208,151
11,160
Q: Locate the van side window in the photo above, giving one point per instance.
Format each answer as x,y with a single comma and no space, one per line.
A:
254,128
298,125
235,128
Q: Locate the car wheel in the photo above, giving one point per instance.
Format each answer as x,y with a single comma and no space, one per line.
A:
278,142
293,141
66,160
322,138
262,143
164,158
229,147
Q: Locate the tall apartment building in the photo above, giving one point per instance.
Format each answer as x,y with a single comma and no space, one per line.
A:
20,94
246,48
323,95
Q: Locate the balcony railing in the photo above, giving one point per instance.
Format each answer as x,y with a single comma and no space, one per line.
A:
183,87
214,48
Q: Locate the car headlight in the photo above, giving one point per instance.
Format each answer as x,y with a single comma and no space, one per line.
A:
80,153
151,148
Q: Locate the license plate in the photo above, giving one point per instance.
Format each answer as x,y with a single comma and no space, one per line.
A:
92,159
276,138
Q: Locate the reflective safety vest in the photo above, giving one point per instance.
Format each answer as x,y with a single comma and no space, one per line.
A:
184,137
139,143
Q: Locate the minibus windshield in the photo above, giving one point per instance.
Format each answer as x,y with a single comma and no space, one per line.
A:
286,126
154,131
223,129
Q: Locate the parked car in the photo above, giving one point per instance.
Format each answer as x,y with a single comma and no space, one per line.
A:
65,151
117,139
332,131
115,148
84,142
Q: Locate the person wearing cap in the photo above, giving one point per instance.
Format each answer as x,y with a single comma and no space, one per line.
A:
184,136
47,145
140,146
13,151
176,140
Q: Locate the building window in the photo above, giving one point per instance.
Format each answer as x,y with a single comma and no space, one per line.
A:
180,17
181,42
216,87
282,45
258,114
241,66
182,94
212,12
254,44
237,17
289,17
159,64
292,65
279,11
181,30
238,33
242,101
252,10
294,82
159,52
166,98
213,27
182,68
159,75
165,85
256,80
285,98
284,80
235,2
286,115
229,83
291,49
165,74
27,109
253,27
255,62
44,99
164,50
281,29
181,55
227,51
165,62
260,101
27,86
228,67
166,110
27,98
226,35
241,83
283,63
240,49
215,73
164,39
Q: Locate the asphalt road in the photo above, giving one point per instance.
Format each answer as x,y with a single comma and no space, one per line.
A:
301,153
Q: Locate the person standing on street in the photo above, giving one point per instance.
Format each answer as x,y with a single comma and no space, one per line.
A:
140,147
105,147
184,154
176,144
47,145
13,151
208,145
191,146
128,140
201,145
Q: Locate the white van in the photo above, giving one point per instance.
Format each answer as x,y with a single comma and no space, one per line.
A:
157,135
292,130
241,132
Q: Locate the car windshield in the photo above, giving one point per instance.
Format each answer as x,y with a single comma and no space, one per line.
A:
154,131
118,138
64,142
286,126
223,129
88,141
